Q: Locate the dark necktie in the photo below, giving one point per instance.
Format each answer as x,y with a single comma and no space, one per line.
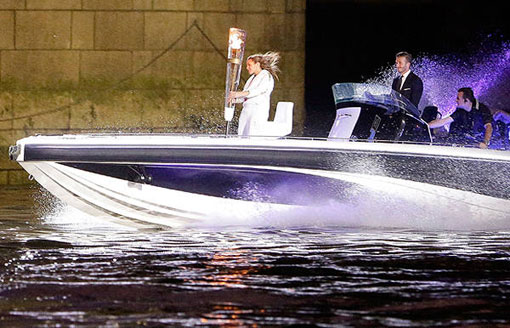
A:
401,82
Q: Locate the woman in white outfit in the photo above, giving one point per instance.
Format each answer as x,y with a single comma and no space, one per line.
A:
257,90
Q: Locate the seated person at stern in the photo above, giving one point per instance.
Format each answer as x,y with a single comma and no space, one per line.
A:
470,118
407,83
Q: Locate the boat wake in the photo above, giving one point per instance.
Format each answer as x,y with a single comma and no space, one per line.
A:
392,214
398,208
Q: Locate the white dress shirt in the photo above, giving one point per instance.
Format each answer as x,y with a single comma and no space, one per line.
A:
404,76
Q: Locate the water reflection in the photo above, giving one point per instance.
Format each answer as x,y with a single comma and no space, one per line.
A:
65,269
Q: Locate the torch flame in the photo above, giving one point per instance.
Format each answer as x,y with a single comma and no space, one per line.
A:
234,40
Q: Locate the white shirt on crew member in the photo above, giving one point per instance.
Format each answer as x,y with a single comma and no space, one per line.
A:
404,77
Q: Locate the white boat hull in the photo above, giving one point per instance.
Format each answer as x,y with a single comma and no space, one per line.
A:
135,204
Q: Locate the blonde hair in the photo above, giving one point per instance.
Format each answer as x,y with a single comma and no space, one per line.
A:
268,61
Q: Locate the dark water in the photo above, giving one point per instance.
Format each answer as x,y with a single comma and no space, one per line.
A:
64,269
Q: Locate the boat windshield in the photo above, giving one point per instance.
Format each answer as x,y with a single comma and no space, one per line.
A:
372,94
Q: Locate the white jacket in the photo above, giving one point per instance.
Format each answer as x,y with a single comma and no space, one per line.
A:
259,87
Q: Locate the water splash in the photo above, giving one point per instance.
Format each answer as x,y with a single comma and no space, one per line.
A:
487,72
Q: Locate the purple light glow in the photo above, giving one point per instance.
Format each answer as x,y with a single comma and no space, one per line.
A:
487,73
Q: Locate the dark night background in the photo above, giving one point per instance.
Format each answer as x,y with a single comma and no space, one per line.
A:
350,41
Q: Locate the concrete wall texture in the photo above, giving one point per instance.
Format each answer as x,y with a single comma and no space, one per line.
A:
71,66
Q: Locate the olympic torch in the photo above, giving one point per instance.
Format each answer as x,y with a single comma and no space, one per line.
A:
236,42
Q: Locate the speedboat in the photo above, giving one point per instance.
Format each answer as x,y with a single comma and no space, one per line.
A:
367,160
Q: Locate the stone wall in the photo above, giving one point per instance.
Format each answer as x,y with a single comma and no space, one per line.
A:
70,66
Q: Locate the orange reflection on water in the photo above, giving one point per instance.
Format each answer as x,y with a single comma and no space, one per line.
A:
228,315
230,269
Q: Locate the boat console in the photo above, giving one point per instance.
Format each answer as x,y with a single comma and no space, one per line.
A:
375,112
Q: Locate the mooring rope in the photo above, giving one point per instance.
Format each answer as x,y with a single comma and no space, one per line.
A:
118,83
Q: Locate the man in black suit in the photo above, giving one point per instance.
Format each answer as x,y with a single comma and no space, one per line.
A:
407,83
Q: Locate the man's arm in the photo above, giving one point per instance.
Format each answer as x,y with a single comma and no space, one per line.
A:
487,137
416,91
439,122
394,84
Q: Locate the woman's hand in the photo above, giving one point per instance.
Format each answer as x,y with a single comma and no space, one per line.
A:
233,95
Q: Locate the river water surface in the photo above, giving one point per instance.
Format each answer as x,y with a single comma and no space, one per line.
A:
59,267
